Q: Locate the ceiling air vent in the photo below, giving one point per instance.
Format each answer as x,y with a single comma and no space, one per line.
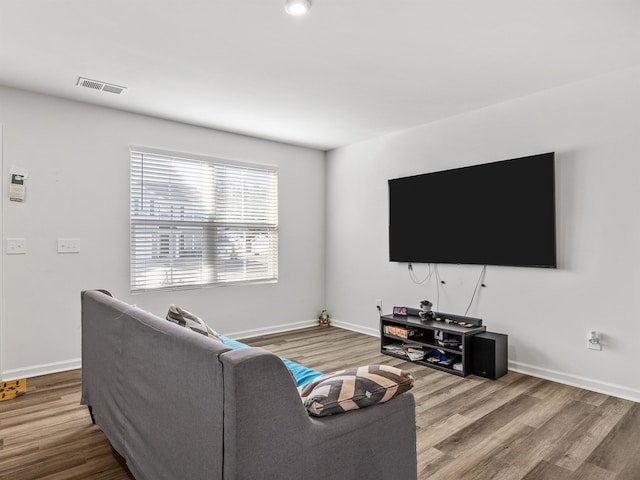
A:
97,85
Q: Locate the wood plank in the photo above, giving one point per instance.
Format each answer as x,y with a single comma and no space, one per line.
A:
480,462
466,439
620,448
543,441
547,471
583,440
589,471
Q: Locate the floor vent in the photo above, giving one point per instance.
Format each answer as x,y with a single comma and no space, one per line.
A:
97,85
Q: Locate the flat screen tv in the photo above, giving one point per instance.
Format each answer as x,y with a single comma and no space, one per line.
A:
500,213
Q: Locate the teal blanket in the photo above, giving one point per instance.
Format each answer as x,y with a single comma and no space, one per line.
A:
301,374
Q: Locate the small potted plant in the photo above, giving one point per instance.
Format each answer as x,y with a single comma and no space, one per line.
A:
323,319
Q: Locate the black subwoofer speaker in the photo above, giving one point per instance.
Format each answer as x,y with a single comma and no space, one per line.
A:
489,354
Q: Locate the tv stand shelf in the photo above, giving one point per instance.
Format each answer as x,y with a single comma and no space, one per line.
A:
449,343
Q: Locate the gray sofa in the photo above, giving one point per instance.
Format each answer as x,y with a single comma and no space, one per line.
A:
177,405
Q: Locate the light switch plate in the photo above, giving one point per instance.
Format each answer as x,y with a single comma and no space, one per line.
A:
16,246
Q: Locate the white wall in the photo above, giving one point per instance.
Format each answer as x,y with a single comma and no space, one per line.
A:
78,161
594,128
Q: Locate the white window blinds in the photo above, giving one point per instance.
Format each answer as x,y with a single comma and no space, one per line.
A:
198,222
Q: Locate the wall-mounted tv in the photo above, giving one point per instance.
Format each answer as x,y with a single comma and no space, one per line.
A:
500,213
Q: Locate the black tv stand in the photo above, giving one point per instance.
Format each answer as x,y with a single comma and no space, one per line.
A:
445,343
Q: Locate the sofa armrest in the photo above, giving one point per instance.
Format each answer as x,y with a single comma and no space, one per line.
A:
268,433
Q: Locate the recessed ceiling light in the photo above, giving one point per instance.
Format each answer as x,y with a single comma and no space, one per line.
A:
297,7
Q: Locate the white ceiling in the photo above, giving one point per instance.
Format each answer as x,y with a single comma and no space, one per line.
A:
350,70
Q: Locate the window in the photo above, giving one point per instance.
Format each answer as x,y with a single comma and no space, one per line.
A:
197,222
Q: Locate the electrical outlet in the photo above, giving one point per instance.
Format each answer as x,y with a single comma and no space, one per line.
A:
593,340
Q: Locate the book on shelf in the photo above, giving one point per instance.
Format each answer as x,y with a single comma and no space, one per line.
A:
449,343
441,358
414,354
413,351
394,348
395,331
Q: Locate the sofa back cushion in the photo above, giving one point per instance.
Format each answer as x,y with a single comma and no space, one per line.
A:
147,378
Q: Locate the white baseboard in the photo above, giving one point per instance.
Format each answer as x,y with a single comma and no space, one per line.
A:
373,332
577,381
37,370
285,327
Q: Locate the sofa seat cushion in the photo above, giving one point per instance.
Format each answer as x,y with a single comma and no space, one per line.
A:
300,373
353,389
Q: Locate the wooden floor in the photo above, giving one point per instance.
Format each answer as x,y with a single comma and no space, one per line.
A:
517,427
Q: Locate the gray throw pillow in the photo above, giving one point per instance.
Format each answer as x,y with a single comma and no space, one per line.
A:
189,320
